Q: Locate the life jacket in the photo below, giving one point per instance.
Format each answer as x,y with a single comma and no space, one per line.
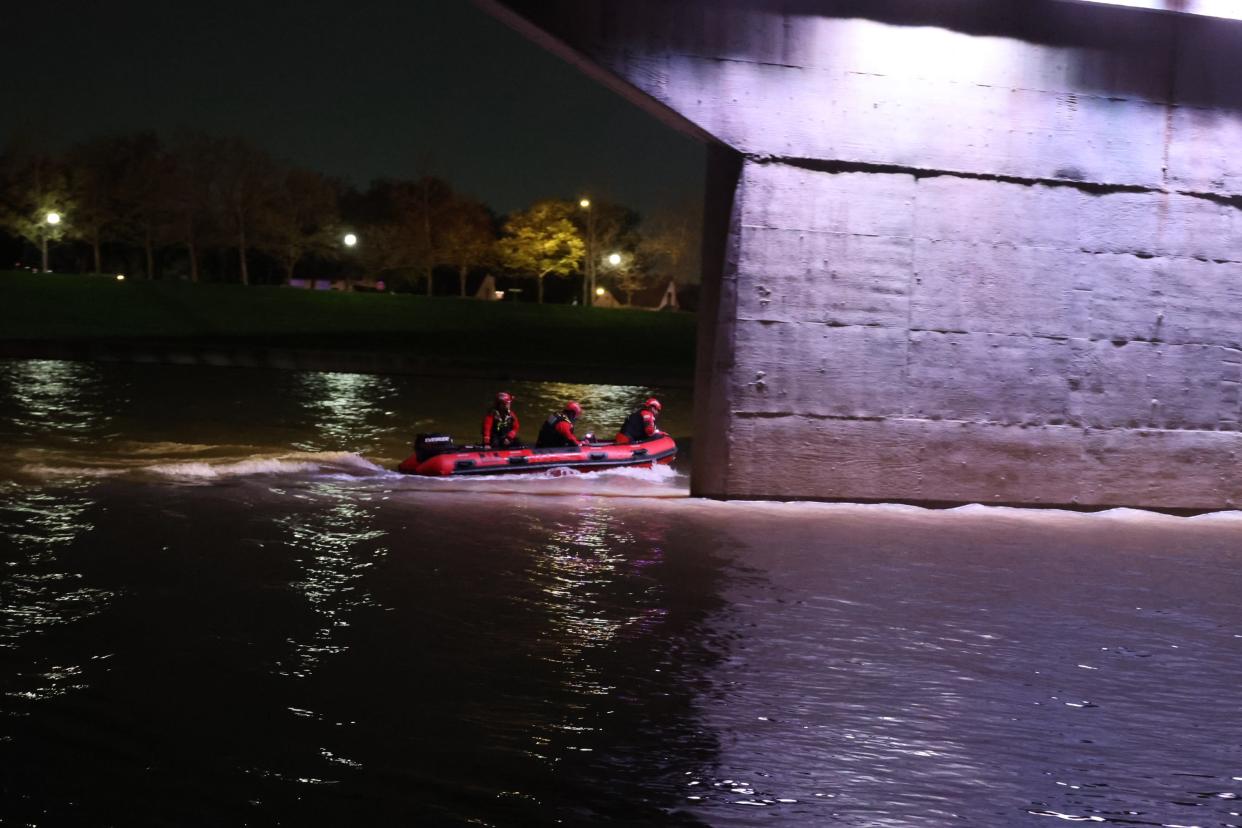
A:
635,427
549,437
502,424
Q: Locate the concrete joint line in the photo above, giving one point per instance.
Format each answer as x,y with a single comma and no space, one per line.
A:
1138,254
1037,90
1115,341
1085,429
837,167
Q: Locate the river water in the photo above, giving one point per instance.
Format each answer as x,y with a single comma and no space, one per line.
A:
221,607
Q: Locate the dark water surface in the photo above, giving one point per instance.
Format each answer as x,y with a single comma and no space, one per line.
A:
219,608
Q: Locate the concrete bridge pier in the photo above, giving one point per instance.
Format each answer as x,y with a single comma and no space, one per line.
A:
964,251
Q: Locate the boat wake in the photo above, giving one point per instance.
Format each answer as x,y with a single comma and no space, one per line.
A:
195,464
626,481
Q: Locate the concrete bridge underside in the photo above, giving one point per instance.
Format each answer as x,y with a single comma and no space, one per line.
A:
957,251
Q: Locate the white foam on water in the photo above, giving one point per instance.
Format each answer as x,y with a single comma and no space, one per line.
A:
226,467
281,464
979,513
628,481
53,472
1232,516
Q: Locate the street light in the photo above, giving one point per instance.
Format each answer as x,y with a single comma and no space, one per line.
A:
52,219
350,240
589,285
621,275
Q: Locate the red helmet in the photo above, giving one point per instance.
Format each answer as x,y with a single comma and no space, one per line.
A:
504,398
653,404
572,410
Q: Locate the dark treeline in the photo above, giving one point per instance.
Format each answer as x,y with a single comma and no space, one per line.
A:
209,209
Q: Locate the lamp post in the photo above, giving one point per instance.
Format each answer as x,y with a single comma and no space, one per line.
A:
350,240
52,219
621,269
588,287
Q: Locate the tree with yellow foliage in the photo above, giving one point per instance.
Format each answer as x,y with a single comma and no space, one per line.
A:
542,240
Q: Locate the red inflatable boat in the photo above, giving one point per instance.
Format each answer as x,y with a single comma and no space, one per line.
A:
435,454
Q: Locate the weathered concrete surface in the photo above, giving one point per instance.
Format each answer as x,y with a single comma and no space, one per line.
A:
973,251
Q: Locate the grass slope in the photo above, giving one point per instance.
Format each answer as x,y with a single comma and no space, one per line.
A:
60,307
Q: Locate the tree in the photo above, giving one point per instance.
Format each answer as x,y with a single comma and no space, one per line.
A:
245,182
629,274
300,219
143,178
606,227
400,222
466,238
672,242
193,161
135,176
92,169
34,190
420,211
541,240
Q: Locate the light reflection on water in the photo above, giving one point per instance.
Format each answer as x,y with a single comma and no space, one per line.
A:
577,566
334,546
39,591
348,411
53,398
301,632
60,403
75,420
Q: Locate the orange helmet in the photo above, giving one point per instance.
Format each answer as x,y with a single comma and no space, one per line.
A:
572,410
653,404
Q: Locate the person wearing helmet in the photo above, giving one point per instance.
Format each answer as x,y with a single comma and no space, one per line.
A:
500,425
641,425
558,429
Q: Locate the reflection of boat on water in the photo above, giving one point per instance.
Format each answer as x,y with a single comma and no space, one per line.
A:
435,454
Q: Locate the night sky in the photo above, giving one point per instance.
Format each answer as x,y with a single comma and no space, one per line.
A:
356,90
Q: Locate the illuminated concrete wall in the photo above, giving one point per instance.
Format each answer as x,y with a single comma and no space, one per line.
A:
970,250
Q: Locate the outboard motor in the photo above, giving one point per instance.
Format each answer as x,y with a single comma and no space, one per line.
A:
429,445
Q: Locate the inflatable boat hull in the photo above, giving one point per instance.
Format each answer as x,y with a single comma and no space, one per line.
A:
467,460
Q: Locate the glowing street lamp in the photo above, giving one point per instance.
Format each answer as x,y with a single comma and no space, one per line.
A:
52,219
599,291
350,240
614,259
589,283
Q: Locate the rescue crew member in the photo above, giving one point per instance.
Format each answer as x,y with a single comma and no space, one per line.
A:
500,425
641,425
558,429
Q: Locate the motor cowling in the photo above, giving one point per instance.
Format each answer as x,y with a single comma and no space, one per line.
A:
429,445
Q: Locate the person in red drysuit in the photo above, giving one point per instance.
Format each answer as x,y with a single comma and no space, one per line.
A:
641,425
558,429
500,425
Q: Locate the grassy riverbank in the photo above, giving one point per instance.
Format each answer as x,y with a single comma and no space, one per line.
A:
53,314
